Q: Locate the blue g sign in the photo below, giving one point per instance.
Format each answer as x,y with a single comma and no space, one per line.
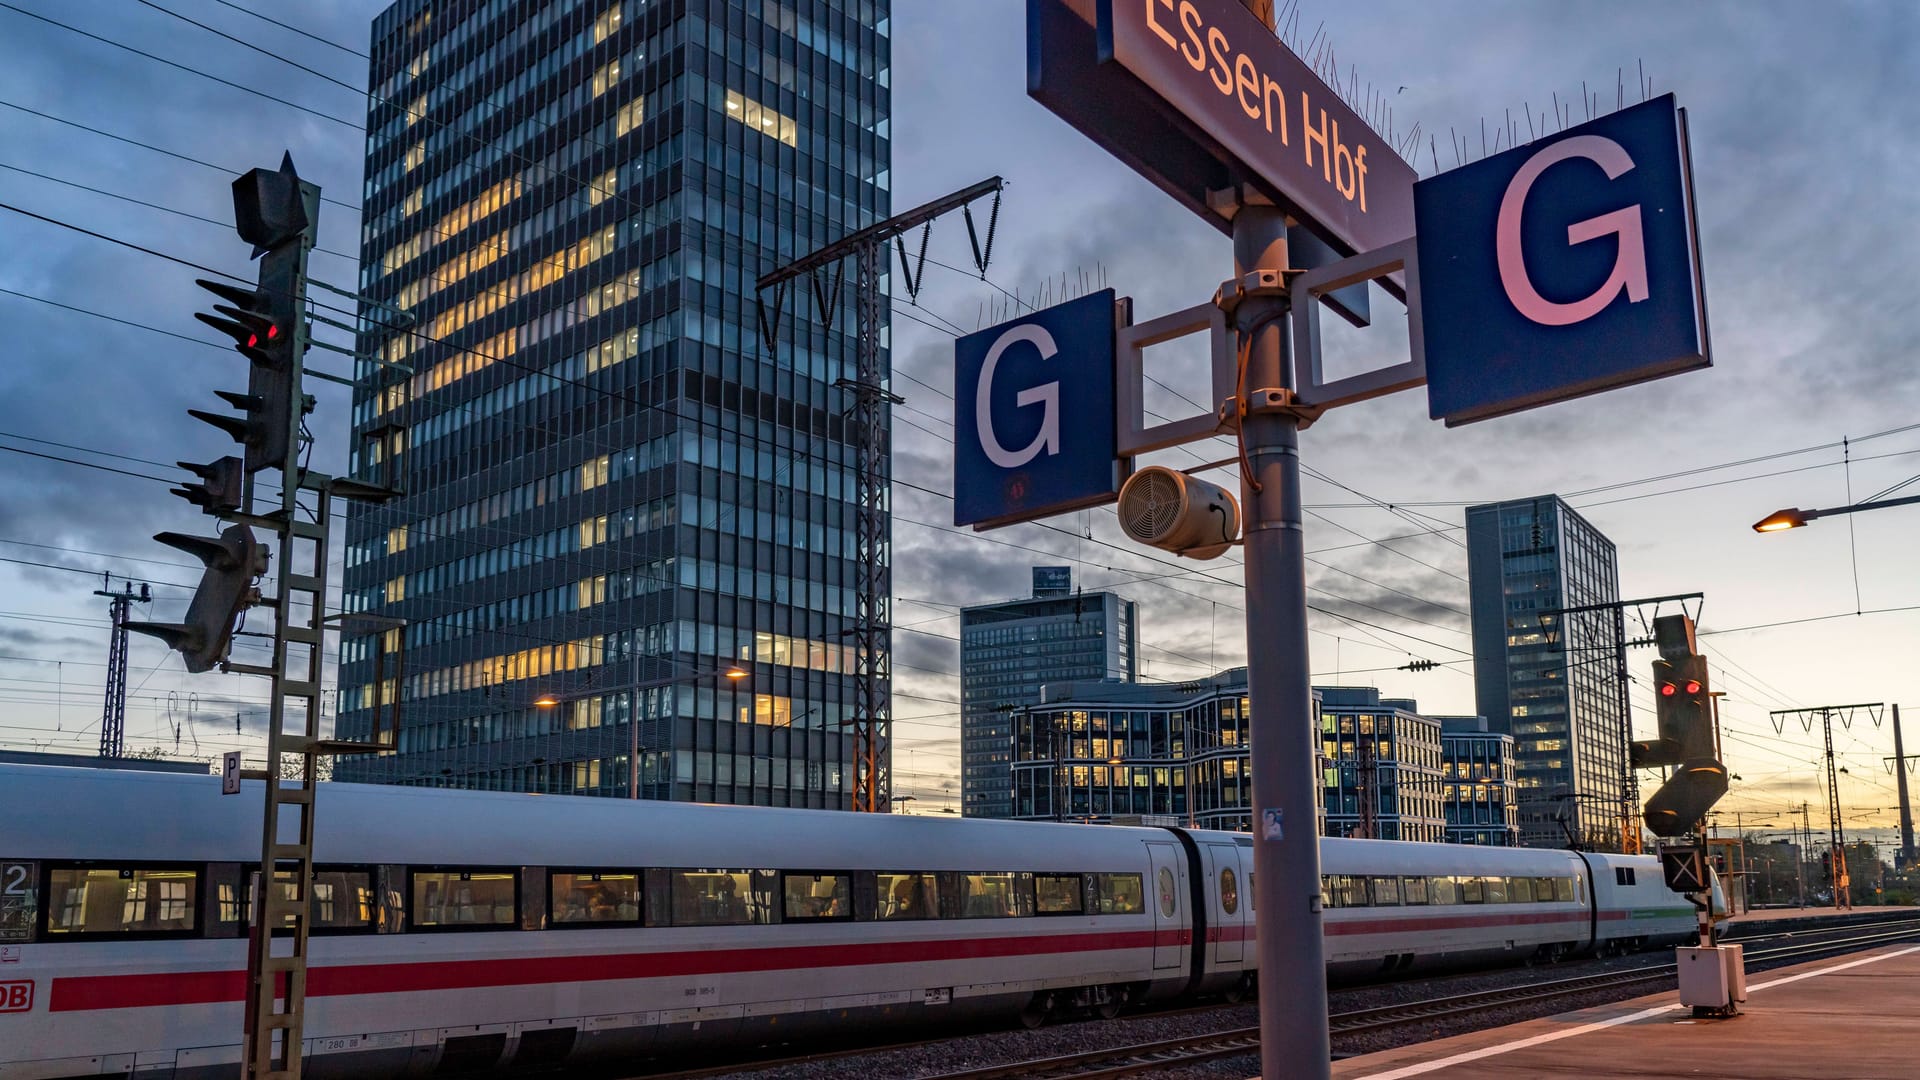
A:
1034,428
1560,268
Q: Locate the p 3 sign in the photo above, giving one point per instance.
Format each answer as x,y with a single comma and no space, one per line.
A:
1563,267
1034,415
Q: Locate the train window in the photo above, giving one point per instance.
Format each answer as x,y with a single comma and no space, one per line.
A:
1167,893
1563,889
464,899
816,896
1414,889
1117,894
587,898
1470,890
1386,891
995,896
1326,892
1520,890
721,897
908,896
1623,875
1443,890
1543,890
342,899
1496,889
1058,894
1229,892
111,900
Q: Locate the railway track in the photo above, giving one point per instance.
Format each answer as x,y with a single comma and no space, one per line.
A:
1148,1057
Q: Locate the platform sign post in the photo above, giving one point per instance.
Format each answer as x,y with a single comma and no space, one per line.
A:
1202,99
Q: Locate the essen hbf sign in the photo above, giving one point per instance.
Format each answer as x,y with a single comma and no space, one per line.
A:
1234,106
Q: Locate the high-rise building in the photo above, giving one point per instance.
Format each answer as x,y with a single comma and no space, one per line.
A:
1548,684
614,490
1009,651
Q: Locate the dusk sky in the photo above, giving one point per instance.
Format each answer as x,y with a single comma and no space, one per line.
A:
1803,120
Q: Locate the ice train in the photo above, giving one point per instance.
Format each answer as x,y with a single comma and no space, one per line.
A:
459,931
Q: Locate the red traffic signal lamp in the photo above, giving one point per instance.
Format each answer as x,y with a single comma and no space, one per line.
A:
1688,740
226,589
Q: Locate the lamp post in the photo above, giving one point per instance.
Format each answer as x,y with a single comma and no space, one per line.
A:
1794,518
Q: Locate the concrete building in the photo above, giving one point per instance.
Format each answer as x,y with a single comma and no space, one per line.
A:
1476,769
1549,685
614,490
1009,651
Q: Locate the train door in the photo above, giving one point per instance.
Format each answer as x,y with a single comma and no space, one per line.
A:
1164,893
1226,891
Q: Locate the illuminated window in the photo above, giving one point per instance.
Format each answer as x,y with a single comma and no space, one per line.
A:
416,156
602,189
593,590
606,77
766,121
91,900
593,531
630,116
396,540
769,709
397,589
606,24
594,473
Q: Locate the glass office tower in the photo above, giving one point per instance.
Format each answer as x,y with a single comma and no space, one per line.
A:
1009,651
614,491
1547,684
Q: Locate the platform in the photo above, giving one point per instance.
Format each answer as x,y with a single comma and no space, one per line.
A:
1856,1016
1826,913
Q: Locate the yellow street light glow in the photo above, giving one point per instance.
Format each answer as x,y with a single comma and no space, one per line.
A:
1780,521
736,673
546,701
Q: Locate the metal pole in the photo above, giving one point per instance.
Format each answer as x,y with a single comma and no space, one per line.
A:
1906,856
1294,1043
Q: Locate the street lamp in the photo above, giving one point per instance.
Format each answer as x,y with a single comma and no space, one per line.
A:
1794,518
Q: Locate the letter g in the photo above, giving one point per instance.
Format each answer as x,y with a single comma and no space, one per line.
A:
1629,265
1048,395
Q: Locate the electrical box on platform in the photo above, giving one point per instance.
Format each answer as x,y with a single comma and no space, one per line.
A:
1713,979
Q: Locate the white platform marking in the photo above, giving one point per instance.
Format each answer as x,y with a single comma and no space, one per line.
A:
1644,1014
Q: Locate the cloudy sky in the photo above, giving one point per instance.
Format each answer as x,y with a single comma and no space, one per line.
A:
1803,124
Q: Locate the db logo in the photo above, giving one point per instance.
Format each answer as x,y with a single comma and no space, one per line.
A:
16,996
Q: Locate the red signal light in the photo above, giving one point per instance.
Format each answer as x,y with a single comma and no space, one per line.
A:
1693,686
1666,689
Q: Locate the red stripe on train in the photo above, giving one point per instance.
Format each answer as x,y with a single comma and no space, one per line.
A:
81,993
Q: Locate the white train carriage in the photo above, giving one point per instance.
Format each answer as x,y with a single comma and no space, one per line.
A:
1634,909
466,929
1393,906
457,931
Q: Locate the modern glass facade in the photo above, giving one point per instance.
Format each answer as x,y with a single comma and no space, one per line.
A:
1547,683
1089,751
1476,766
614,491
1008,652
1380,751
1177,753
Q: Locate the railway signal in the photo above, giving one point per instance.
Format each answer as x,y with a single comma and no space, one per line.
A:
226,589
1688,740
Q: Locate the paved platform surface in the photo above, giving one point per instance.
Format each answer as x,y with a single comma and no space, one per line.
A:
1854,1016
